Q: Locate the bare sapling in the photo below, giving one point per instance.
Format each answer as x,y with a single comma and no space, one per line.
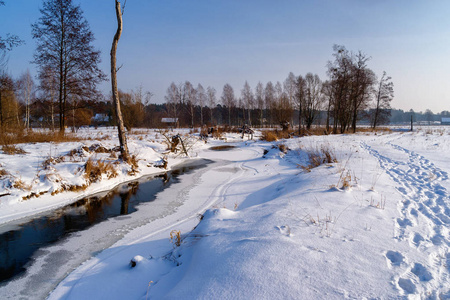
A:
115,91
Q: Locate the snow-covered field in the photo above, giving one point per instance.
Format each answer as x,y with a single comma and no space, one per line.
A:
262,224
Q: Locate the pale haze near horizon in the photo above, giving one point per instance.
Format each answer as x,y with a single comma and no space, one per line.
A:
218,42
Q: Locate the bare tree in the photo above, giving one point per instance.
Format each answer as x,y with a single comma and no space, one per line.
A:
211,93
115,91
247,100
259,99
269,100
290,88
282,106
64,44
139,102
8,103
228,99
278,91
351,86
201,100
384,95
363,80
173,101
26,87
300,99
313,98
189,95
327,91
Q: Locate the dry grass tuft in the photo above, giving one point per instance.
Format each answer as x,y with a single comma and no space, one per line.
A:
275,135
51,161
20,184
133,162
269,136
12,150
70,188
217,134
370,129
378,204
175,238
21,136
345,180
94,170
317,157
3,173
314,130
283,148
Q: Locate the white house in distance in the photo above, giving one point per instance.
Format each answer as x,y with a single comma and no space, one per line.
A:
100,118
445,121
170,122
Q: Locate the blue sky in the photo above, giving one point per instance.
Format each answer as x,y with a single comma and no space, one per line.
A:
216,42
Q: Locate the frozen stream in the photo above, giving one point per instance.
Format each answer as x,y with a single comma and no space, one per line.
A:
36,254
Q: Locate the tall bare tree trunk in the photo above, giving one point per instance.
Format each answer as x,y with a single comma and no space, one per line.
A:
52,109
1,112
61,77
115,92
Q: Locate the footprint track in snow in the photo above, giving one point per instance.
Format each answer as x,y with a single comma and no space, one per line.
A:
421,272
407,285
395,258
425,208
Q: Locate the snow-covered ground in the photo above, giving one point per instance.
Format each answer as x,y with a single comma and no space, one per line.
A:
263,225
34,181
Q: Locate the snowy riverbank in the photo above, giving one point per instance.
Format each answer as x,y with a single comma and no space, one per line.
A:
374,224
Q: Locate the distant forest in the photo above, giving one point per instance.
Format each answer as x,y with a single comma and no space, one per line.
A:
65,91
139,115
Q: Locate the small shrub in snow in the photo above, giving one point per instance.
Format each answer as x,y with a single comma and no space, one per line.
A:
51,161
345,180
317,157
133,162
275,135
20,184
283,148
3,173
12,150
175,238
94,170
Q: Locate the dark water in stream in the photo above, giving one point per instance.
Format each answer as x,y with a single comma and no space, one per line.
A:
19,241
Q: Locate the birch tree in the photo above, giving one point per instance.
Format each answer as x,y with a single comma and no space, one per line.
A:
115,91
259,99
228,99
247,101
26,88
269,100
211,94
190,98
172,101
201,100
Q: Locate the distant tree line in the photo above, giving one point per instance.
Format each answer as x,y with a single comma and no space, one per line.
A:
66,93
427,117
351,93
